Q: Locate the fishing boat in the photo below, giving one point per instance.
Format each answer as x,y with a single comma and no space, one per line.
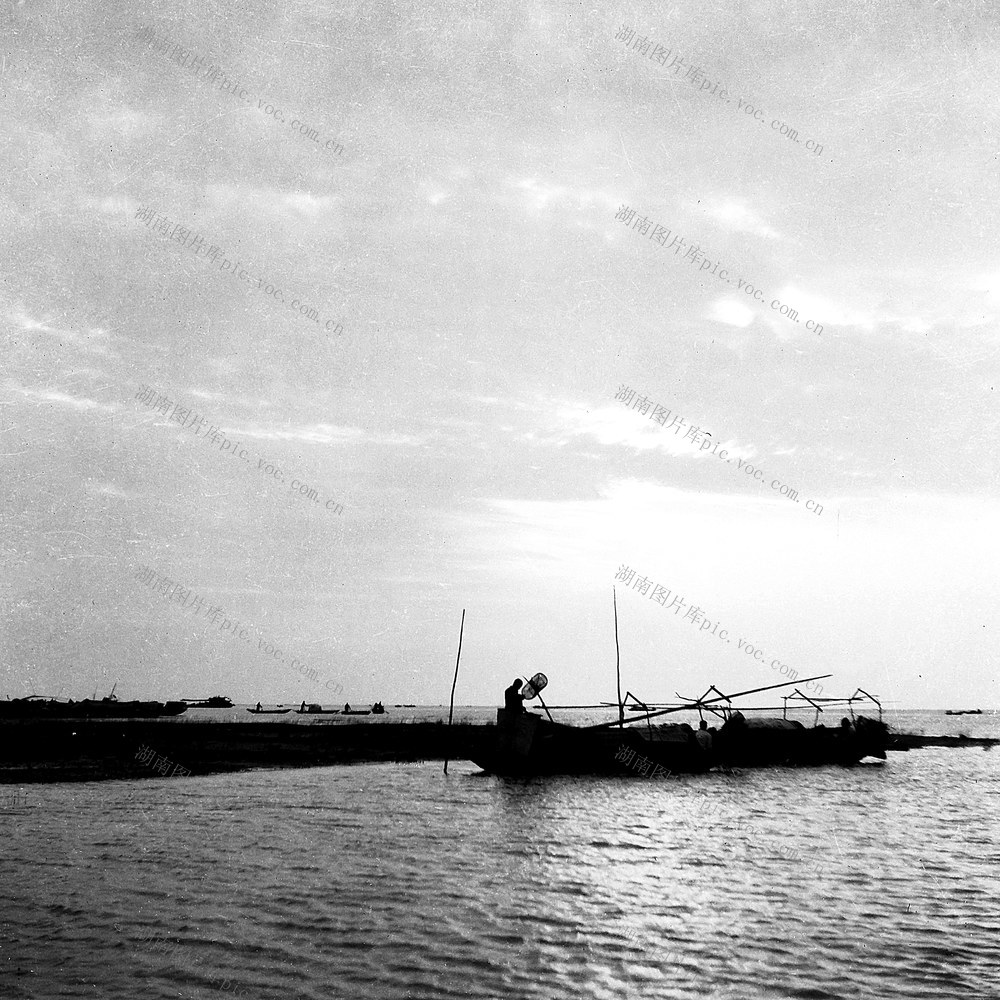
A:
40,707
525,743
356,711
963,711
316,710
216,701
269,711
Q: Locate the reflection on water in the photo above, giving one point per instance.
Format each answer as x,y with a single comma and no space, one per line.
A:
389,881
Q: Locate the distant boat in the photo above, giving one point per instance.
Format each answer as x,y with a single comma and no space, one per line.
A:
269,711
39,707
216,701
964,711
357,711
317,710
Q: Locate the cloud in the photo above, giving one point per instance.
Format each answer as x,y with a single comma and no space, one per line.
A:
308,205
731,313
617,425
323,434
269,201
736,216
108,205
540,195
57,398
121,121
106,489
91,340
611,425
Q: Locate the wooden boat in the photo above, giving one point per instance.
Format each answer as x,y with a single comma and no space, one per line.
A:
527,744
269,711
964,711
317,710
38,707
356,711
216,701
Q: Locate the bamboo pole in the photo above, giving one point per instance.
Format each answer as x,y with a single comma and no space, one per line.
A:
618,668
451,707
708,701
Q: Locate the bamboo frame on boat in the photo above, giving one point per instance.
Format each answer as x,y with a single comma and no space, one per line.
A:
703,701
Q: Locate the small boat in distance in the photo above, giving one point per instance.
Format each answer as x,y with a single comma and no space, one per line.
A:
316,710
268,711
963,711
38,707
355,711
216,701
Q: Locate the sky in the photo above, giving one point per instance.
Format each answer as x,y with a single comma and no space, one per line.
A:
323,322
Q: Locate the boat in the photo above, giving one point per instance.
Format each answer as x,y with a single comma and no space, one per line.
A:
316,710
269,711
964,711
216,701
356,711
525,743
40,707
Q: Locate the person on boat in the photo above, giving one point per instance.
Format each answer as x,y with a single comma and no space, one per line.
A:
302,707
704,737
512,699
347,707
845,725
259,709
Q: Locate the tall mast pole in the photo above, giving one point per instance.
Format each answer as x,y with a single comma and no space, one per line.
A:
451,708
618,667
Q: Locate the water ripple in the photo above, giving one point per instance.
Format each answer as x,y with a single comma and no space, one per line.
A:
387,882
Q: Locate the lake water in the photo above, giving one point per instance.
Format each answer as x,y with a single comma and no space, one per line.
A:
391,881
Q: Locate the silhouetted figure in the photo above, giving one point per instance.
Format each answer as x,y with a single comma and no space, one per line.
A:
302,708
347,707
512,699
258,706
845,725
704,737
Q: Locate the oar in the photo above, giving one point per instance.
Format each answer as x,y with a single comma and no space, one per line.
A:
709,701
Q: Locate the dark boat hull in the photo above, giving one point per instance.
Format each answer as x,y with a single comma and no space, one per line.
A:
775,742
269,711
38,708
525,744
